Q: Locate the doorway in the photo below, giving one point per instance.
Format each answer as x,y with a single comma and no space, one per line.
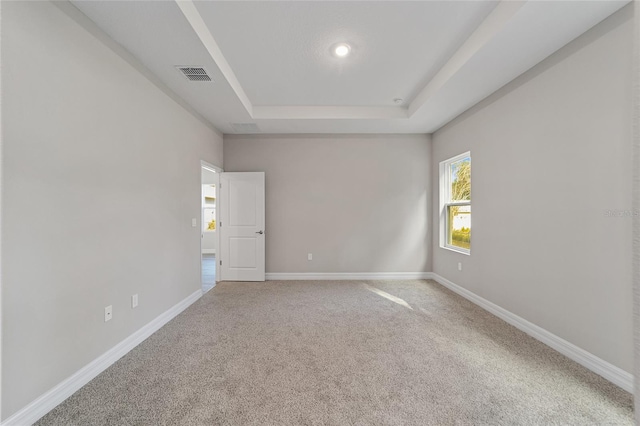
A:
209,200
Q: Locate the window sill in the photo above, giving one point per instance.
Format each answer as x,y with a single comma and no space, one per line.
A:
457,250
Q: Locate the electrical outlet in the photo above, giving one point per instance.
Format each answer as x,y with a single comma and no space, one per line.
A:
194,222
459,266
309,256
134,301
108,313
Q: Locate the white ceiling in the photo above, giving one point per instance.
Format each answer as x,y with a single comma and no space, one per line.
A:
396,47
271,61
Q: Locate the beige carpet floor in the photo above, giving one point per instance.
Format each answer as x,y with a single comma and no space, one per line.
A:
342,353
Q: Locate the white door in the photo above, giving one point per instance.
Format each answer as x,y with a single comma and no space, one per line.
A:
241,228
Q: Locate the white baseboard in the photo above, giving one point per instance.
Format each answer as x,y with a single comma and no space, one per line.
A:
49,400
597,365
208,251
306,276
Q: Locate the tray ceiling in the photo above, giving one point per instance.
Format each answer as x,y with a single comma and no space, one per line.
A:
413,66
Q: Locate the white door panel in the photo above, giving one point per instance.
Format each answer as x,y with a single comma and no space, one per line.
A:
242,219
242,203
242,252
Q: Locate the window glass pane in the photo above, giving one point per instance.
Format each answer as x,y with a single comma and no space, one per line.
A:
459,226
460,178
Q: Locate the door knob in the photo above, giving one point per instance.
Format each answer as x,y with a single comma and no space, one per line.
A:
260,232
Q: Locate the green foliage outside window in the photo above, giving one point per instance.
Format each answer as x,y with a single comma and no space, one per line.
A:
461,184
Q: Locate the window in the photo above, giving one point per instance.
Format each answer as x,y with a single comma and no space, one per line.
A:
455,203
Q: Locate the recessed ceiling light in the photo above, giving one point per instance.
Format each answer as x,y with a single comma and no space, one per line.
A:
341,50
398,101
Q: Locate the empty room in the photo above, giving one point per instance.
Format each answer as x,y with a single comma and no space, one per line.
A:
319,212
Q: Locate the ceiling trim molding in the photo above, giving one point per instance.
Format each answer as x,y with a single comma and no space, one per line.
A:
486,31
307,136
328,112
194,18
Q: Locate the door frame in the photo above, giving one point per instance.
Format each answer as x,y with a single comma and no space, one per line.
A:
217,170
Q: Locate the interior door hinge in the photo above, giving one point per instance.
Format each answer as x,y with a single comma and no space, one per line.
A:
220,224
221,263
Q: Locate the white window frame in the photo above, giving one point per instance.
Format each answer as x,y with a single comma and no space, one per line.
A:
445,202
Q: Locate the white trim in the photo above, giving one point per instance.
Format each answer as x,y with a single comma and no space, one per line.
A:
458,203
304,276
49,400
208,251
457,249
328,112
599,366
210,167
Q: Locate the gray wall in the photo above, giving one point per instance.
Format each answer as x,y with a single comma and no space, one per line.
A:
359,203
551,152
101,175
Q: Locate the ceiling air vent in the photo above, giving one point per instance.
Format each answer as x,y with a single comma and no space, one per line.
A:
245,127
195,73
